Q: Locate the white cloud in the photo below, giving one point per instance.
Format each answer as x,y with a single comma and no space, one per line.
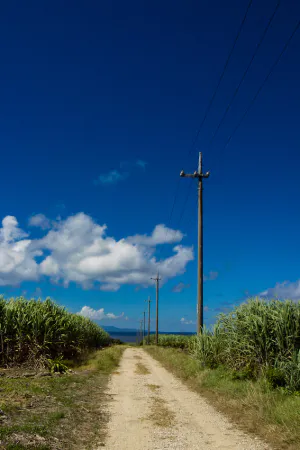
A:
81,252
185,321
110,287
98,314
78,250
39,221
17,259
49,267
10,231
160,235
211,276
285,291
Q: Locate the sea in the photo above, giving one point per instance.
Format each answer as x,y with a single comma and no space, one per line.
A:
131,336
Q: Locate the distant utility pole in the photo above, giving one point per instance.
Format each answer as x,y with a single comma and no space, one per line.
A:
144,331
156,279
141,330
149,301
199,176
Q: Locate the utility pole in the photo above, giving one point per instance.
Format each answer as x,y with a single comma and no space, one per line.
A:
199,176
144,331
141,330
156,279
149,301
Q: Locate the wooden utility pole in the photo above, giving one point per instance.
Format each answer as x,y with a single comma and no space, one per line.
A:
141,330
144,331
148,337
199,176
156,279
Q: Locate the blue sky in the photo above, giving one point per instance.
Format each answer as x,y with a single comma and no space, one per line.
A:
100,104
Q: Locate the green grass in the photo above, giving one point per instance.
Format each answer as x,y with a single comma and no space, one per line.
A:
170,340
254,405
59,412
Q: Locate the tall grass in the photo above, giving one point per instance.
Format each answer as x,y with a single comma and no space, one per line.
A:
258,338
35,329
170,340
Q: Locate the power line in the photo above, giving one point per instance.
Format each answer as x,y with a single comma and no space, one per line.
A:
222,76
188,192
173,206
263,84
204,119
168,223
245,72
174,201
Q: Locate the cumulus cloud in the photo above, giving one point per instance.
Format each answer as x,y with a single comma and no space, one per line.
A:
286,290
211,276
17,259
180,287
97,314
10,231
78,250
39,221
185,321
160,235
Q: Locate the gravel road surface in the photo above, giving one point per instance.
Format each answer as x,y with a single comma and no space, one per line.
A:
151,409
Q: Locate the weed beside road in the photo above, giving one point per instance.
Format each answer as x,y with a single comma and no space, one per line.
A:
58,412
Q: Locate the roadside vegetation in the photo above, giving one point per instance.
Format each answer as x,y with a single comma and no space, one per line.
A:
40,333
248,366
170,340
60,411
53,371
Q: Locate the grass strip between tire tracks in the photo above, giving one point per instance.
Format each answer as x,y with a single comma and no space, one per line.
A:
253,406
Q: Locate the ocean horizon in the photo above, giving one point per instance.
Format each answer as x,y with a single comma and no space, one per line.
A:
131,336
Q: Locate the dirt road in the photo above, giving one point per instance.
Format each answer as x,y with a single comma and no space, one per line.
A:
151,409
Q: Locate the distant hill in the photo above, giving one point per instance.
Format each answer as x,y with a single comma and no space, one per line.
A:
117,330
